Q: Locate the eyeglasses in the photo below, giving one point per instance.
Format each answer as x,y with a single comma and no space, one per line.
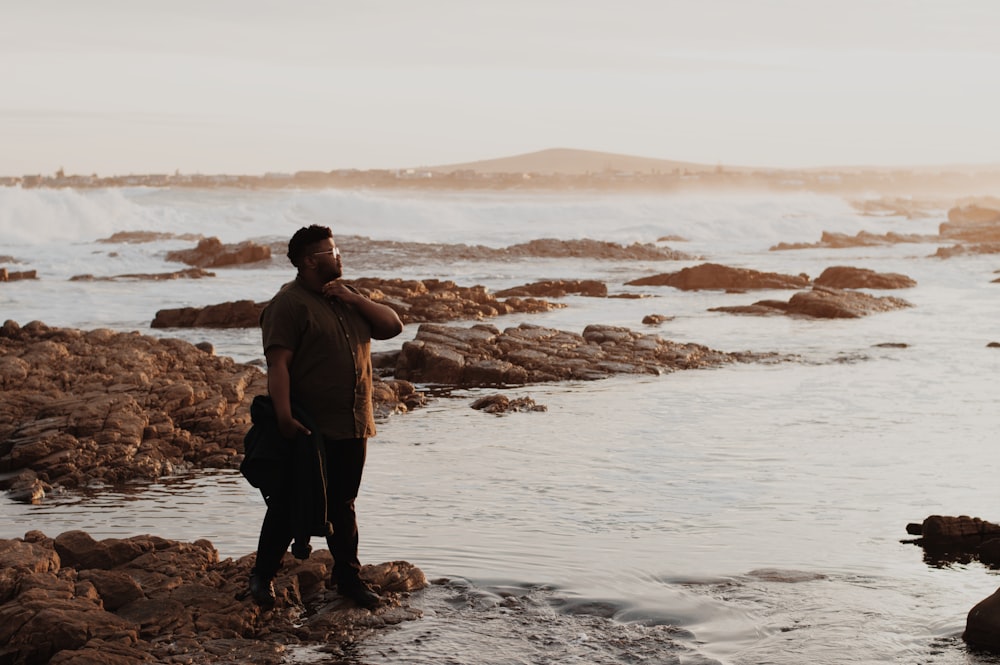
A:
335,252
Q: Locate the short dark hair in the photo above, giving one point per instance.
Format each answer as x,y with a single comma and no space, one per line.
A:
303,239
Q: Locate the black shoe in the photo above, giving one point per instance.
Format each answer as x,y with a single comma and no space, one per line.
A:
360,593
262,591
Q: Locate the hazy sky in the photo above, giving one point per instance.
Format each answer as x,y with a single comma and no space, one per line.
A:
245,86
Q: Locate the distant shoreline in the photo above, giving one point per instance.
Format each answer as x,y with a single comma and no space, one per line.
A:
920,182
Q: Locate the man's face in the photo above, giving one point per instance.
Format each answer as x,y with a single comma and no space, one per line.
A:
327,258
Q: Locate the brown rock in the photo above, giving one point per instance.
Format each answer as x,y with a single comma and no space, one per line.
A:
828,303
715,276
79,407
822,303
500,404
484,356
237,314
846,277
175,602
435,300
832,240
211,253
557,288
414,300
17,275
189,273
109,407
939,529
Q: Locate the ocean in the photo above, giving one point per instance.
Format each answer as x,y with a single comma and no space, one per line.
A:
742,515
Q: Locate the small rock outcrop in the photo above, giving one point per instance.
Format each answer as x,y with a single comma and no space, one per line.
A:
145,599
188,273
501,404
17,275
557,288
846,277
235,314
484,356
714,276
431,300
212,253
821,303
832,240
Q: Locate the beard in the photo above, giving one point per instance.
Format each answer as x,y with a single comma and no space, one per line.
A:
334,272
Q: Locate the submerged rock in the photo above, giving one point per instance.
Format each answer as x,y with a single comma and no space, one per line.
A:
74,599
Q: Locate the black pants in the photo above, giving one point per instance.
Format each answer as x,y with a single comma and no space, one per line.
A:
345,461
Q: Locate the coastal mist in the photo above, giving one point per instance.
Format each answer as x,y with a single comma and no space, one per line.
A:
750,513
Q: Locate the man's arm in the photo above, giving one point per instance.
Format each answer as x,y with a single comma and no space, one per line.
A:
279,387
384,321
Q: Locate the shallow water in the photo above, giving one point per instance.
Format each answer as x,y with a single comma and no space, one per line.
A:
747,514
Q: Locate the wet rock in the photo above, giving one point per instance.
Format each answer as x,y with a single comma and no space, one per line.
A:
212,253
188,273
80,407
821,303
656,319
961,539
17,275
500,404
414,300
236,314
970,221
961,530
967,249
846,277
557,288
390,254
831,240
715,276
897,207
137,237
484,356
428,300
158,600
974,226
597,249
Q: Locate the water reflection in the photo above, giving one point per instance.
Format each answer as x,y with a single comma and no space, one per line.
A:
217,505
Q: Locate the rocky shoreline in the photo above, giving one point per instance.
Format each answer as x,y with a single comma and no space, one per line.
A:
73,600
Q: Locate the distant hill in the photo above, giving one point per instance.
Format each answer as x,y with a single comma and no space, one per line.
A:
571,162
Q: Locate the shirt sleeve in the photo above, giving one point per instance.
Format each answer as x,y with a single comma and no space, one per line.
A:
279,324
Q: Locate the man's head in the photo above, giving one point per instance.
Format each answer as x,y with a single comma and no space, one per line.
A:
312,249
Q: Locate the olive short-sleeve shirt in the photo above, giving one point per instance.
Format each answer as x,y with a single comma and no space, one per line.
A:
331,368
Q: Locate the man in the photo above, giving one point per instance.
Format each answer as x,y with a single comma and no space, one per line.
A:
317,334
